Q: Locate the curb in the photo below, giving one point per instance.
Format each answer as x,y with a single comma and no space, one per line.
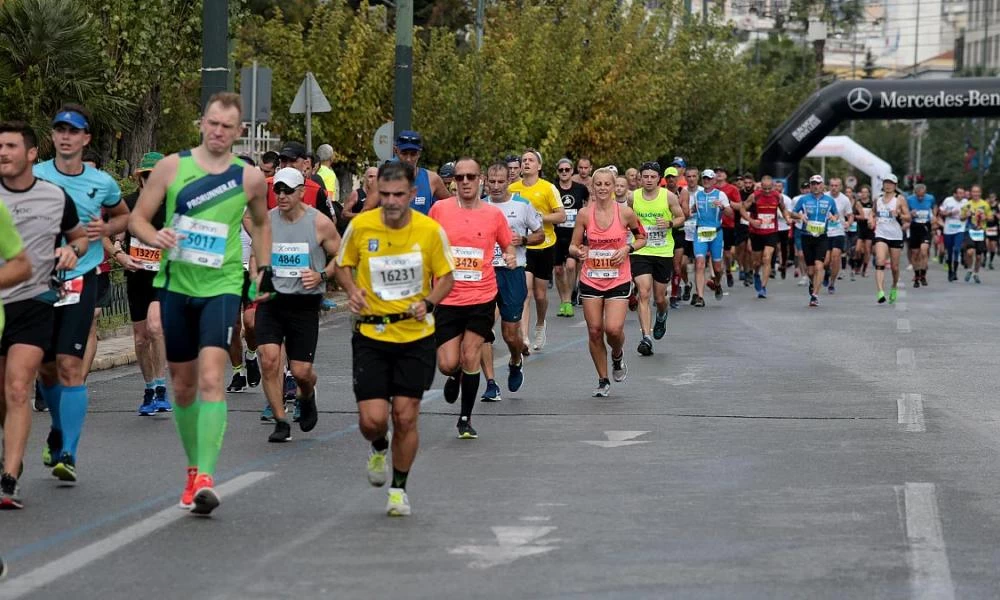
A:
127,357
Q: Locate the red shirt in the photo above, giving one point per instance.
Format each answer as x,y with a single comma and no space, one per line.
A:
733,193
472,233
313,195
765,208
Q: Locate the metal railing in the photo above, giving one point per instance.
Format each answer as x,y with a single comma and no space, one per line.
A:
116,314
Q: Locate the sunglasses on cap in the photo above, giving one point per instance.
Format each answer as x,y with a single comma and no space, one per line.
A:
408,139
283,189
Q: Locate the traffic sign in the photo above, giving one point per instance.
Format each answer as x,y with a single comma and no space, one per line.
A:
309,90
383,141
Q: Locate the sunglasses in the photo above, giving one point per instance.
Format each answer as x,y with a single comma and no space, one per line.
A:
282,189
466,176
565,170
408,139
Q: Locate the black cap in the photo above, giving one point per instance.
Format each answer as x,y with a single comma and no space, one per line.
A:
293,151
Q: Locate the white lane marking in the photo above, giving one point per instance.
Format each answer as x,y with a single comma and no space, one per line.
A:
617,439
910,408
903,293
905,359
552,504
512,543
78,559
578,325
687,378
930,573
901,307
903,325
535,519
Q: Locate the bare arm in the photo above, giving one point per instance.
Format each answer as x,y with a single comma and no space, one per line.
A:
255,187
153,193
676,210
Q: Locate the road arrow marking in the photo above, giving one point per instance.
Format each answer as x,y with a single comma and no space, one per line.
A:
618,438
512,543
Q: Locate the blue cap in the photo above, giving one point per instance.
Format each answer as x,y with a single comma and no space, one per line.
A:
409,140
71,118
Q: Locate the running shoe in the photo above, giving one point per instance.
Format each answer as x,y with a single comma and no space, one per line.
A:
451,388
205,497
492,393
574,298
660,326
187,496
569,310
762,293
893,293
603,388
148,405
161,402
975,277
826,281
238,384
53,448
813,300
328,304
853,276
784,272
39,404
282,432
540,337
526,347
378,468
65,469
308,416
619,368
803,281
465,430
267,415
757,284
253,371
645,346
729,278
515,377
289,388
698,301
968,276
674,303
916,281
686,295
718,292
746,279
880,297
743,275
832,290
10,493
694,299
398,504
923,280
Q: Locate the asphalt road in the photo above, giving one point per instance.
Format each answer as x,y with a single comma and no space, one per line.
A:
767,450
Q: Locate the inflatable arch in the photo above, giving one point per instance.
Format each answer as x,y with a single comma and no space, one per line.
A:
842,146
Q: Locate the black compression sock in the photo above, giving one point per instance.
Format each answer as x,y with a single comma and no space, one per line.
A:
470,388
399,478
381,444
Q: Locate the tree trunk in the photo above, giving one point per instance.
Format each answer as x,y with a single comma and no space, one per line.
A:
141,138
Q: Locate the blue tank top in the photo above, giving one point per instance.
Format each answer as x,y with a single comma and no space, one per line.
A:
706,213
425,196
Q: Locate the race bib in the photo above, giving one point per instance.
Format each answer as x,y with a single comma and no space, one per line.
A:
867,212
468,263
599,265
854,227
397,277
953,227
289,260
767,222
992,231
689,228
656,237
977,235
147,256
202,243
922,216
835,228
570,221
816,228
498,260
70,292
707,234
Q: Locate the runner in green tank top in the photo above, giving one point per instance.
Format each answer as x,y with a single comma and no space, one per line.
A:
201,276
653,265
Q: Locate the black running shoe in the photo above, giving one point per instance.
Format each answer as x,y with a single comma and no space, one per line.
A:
253,372
451,389
645,347
10,493
238,384
282,432
53,448
465,430
308,415
686,295
698,301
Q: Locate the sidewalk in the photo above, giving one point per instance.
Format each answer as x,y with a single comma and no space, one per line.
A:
120,350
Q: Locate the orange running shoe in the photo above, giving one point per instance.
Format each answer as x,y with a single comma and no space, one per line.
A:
205,498
187,498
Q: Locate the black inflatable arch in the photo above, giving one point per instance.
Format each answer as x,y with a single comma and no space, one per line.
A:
873,99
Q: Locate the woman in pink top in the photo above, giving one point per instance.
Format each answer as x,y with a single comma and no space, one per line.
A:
606,275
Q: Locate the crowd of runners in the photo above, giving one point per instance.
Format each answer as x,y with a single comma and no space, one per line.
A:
227,261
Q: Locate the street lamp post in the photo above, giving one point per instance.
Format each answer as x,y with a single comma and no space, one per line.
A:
403,91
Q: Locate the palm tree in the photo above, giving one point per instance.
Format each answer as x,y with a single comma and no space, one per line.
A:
49,55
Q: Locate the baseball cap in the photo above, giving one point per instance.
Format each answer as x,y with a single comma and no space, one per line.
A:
816,179
409,140
71,118
293,150
148,161
324,152
891,177
289,176
679,162
708,174
447,170
671,172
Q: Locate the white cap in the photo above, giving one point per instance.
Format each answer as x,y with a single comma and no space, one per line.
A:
289,176
816,179
892,178
324,152
708,174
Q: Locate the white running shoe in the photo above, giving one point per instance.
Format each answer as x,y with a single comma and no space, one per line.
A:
378,468
540,337
398,504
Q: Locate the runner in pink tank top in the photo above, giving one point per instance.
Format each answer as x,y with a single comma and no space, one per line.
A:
605,274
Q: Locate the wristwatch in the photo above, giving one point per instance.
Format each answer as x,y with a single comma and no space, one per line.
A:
76,250
429,305
323,276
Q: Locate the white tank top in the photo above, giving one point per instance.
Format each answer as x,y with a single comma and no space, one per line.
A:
886,225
